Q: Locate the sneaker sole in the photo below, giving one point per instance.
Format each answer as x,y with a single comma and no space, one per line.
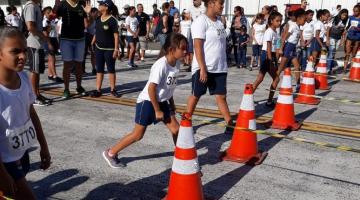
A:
40,105
108,162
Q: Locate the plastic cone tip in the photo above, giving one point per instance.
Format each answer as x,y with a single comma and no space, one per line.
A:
286,82
285,99
321,70
185,167
185,138
323,57
247,102
309,68
248,89
308,81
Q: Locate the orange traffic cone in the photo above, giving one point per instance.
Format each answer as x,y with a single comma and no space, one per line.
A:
321,81
284,116
307,88
355,68
243,147
310,65
185,182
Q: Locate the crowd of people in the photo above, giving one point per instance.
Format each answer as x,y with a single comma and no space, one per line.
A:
196,36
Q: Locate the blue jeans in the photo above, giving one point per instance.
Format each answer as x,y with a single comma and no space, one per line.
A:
305,53
235,39
242,55
334,45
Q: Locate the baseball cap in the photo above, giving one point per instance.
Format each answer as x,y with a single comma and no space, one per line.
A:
108,3
126,6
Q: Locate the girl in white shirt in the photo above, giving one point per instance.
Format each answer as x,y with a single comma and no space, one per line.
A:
132,26
306,36
319,33
185,29
20,127
268,61
258,31
155,103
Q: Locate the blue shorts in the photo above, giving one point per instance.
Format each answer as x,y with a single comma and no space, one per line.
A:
256,50
315,46
55,43
131,39
290,51
18,169
353,36
145,113
265,63
102,57
216,83
72,50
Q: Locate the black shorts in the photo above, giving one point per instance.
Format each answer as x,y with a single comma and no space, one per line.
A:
265,63
18,169
145,113
36,60
216,84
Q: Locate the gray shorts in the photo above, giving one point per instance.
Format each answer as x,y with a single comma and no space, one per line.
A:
142,44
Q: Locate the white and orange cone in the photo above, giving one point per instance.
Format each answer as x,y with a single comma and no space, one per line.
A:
355,68
185,181
284,115
321,77
243,147
307,88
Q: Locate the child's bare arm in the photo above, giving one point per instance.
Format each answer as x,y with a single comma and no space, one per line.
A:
152,94
7,184
44,150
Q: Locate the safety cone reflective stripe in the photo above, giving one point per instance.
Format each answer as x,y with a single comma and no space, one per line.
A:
284,115
310,67
243,147
307,90
321,78
185,181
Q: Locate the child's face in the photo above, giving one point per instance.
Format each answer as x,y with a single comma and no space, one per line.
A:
309,17
277,22
325,17
301,20
343,16
356,12
47,13
181,51
13,54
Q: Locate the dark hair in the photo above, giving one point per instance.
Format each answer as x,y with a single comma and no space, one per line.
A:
338,6
309,12
10,32
165,6
272,16
321,13
259,16
131,8
139,4
92,10
8,9
13,8
46,9
206,2
173,41
243,28
299,13
154,5
337,18
115,12
357,6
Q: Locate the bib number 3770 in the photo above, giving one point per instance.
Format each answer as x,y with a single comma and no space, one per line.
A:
22,137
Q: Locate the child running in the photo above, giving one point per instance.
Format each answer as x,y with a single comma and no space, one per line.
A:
20,126
288,50
353,35
268,62
155,103
319,33
106,42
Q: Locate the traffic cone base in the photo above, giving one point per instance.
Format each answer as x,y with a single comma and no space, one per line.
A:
354,71
257,159
284,118
307,90
321,82
192,181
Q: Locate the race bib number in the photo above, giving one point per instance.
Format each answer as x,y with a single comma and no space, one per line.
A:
21,138
354,23
171,80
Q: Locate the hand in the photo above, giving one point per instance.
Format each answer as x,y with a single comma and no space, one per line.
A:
281,52
203,76
87,7
45,159
116,54
327,43
8,186
164,30
159,115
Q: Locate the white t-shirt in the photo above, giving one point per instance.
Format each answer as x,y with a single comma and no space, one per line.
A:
133,23
308,30
319,26
197,11
185,28
259,30
165,76
53,23
13,20
17,133
294,31
214,36
270,35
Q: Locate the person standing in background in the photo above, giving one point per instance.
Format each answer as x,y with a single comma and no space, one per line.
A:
166,23
122,32
2,18
185,30
13,19
132,34
197,9
173,9
89,34
144,30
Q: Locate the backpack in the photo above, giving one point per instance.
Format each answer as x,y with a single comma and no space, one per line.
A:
22,25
